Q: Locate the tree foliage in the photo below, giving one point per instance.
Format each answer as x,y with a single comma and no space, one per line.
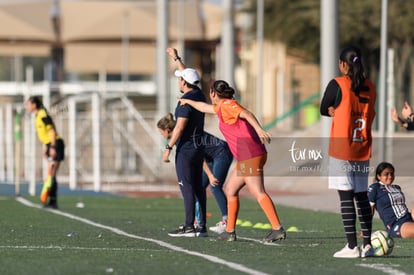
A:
297,24
293,22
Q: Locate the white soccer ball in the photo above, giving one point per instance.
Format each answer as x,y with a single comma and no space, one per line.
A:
382,243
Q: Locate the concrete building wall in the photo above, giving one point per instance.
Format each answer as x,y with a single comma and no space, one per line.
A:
288,79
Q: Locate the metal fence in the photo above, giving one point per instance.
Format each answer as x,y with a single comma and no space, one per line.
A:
108,141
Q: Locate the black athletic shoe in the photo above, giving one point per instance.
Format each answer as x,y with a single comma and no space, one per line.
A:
275,235
183,231
201,231
52,206
227,236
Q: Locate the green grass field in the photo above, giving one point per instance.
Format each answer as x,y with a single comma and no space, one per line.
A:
119,235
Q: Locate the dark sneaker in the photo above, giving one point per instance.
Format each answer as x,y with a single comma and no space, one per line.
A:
183,231
201,232
51,206
275,235
367,251
227,236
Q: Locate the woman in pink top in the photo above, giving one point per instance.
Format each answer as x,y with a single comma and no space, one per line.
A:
246,139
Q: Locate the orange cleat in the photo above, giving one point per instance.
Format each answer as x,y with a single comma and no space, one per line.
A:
44,195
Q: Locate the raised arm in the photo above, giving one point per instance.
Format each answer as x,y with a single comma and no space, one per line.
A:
174,55
251,118
399,121
198,105
407,112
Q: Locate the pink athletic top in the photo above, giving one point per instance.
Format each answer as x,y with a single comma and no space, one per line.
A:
241,137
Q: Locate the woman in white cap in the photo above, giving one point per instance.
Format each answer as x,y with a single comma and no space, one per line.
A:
187,137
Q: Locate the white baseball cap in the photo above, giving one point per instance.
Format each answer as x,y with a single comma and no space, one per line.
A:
189,75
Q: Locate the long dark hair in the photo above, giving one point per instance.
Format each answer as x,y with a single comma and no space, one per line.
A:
36,101
351,55
39,105
381,167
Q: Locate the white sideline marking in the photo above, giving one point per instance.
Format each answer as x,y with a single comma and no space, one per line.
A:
388,269
210,258
30,247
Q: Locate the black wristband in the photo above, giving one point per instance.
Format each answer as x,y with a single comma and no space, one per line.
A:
168,147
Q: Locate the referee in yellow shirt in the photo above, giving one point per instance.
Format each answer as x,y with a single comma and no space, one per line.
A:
53,149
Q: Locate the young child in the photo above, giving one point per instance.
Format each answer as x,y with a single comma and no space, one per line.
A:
388,199
246,140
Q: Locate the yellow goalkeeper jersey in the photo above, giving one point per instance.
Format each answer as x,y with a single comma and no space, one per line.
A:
44,124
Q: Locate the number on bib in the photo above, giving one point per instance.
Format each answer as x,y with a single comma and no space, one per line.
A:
357,132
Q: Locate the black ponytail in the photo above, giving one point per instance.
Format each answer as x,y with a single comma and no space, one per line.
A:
352,57
36,101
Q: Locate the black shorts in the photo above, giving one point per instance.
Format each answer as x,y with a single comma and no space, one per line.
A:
60,150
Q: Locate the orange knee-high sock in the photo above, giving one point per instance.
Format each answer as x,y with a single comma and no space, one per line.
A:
270,210
44,195
233,206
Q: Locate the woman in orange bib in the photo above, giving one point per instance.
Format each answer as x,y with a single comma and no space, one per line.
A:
350,101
